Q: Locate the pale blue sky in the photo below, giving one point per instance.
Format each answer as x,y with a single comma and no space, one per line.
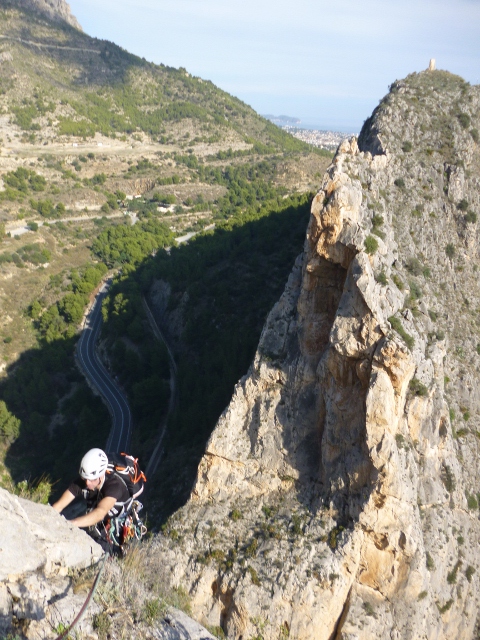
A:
326,62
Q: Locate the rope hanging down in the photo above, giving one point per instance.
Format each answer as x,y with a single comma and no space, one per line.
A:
91,593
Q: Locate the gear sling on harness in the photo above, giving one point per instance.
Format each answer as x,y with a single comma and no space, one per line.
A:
118,530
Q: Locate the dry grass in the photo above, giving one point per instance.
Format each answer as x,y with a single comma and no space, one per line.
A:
132,594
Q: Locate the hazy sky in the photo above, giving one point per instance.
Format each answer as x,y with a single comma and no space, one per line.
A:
326,62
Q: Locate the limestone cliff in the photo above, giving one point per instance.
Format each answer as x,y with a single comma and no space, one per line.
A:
52,9
337,497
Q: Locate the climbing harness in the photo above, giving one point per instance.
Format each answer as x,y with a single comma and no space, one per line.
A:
125,528
90,595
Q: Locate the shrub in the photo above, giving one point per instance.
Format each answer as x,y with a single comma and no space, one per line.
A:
369,610
475,135
382,278
297,525
9,425
450,250
398,282
407,146
400,440
101,623
371,245
448,479
462,205
333,537
417,387
452,575
472,501
377,220
446,606
399,182
268,512
471,216
252,548
464,120
415,291
153,609
469,572
397,326
429,562
36,492
414,266
253,575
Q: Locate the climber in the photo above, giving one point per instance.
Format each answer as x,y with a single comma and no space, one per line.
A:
110,487
105,495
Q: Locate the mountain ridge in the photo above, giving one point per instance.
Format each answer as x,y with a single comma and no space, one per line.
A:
79,86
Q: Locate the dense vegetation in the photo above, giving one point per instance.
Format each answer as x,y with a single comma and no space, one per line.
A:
130,244
42,377
20,182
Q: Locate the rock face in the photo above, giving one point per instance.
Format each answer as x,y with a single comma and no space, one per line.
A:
38,598
337,497
53,9
37,548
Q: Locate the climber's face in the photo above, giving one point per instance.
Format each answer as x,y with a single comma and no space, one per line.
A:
95,484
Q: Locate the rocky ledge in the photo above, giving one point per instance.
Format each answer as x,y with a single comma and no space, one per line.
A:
38,547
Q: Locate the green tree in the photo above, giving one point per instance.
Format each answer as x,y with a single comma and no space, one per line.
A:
9,424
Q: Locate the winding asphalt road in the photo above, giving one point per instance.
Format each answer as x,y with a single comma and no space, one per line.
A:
121,430
157,453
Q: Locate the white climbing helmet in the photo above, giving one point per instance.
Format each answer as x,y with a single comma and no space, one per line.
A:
93,464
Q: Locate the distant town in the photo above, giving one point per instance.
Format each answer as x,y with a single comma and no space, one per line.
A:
318,138
324,139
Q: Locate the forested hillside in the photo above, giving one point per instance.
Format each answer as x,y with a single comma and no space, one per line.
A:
58,81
